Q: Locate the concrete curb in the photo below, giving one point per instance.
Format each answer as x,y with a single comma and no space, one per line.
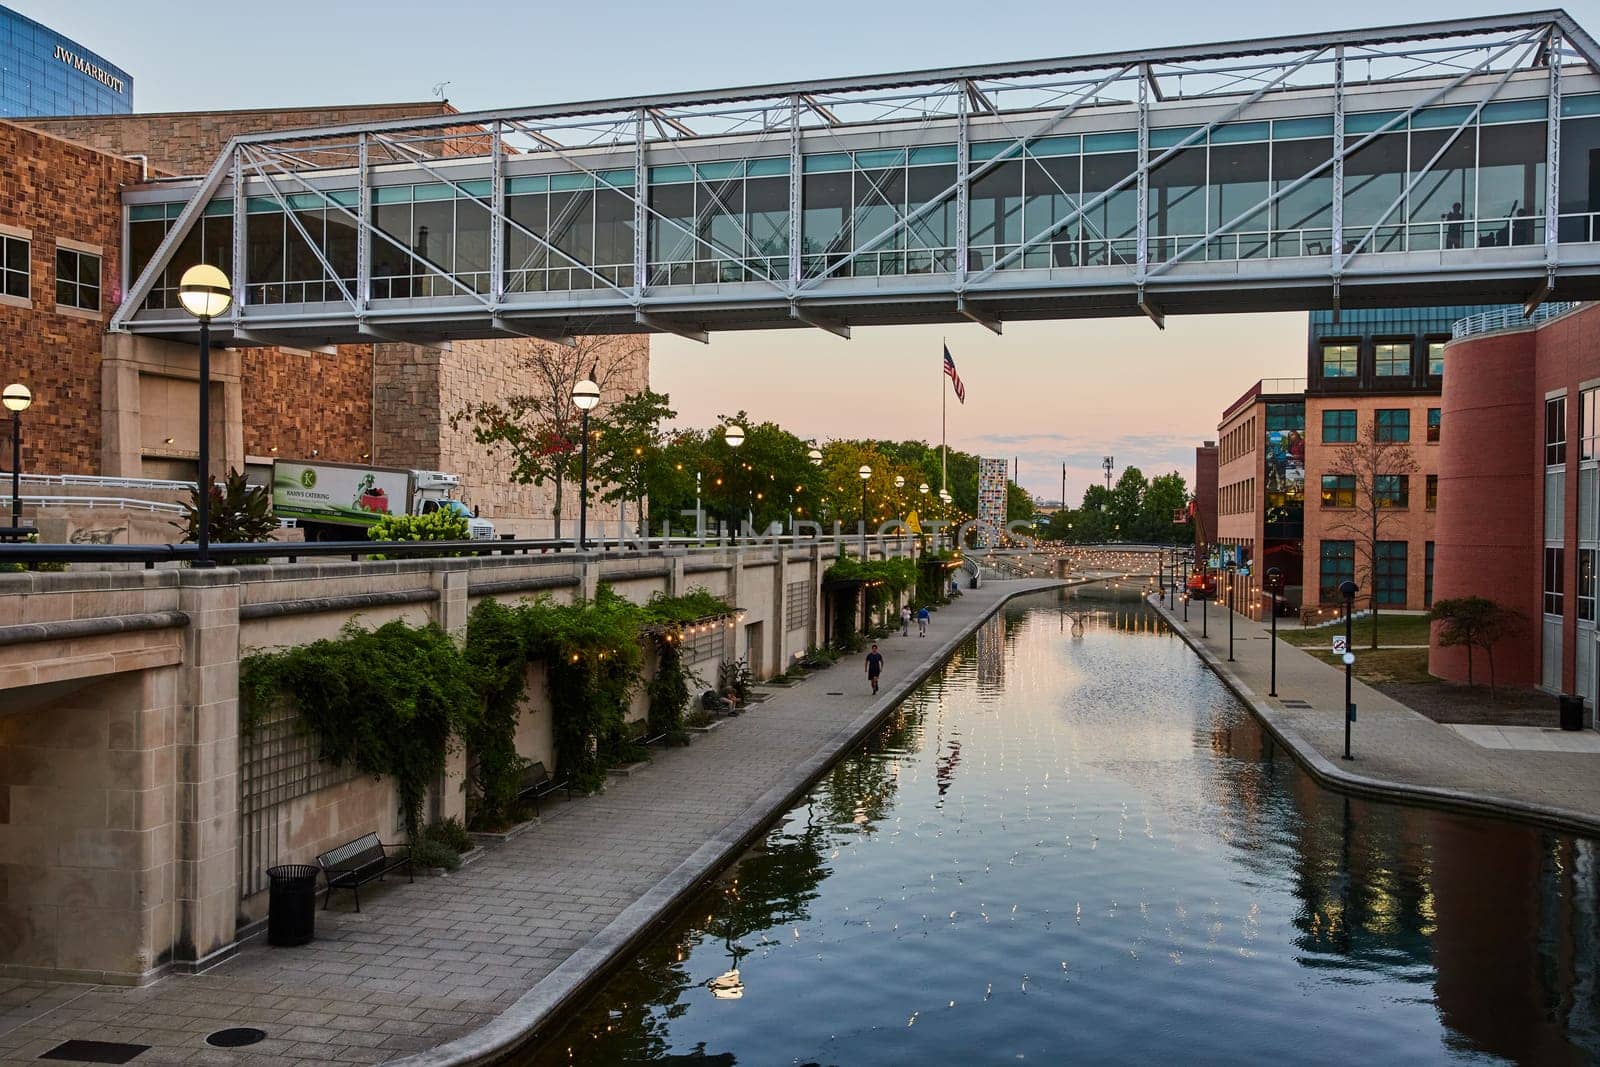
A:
578,974
1326,772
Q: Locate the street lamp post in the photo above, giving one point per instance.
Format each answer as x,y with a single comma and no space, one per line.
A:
205,292
865,472
1230,570
945,498
733,434
1348,590
585,397
1274,583
16,399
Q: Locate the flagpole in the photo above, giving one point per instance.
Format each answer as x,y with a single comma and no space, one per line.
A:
944,451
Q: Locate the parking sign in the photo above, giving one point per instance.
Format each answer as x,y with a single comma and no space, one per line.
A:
1341,645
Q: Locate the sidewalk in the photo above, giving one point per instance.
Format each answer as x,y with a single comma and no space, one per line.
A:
517,931
1399,754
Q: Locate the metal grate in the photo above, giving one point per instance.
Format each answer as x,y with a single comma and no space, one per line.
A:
278,762
800,606
709,644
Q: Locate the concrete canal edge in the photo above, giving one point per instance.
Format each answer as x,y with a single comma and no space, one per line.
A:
579,974
1327,773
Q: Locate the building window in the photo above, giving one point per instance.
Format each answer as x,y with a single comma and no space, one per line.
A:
1338,427
1427,577
1435,359
1555,431
1394,424
1338,565
1433,492
1389,584
1392,490
1338,491
77,279
1393,359
1586,583
14,269
1339,361
1587,431
1554,579
1433,425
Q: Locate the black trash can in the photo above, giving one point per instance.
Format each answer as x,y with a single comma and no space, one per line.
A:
292,904
1571,711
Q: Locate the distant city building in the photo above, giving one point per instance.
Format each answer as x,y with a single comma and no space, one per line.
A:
1261,478
1205,493
44,73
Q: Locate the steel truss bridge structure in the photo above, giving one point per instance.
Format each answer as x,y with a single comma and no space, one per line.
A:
1448,162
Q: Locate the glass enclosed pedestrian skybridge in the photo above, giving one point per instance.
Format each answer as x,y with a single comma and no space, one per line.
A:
1439,163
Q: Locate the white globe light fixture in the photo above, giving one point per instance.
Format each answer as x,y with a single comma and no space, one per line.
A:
733,433
16,397
923,488
899,481
204,291
586,395
815,456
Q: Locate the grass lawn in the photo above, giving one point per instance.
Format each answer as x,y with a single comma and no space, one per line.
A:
1407,665
1392,630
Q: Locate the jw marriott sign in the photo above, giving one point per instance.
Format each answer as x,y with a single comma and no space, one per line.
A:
77,62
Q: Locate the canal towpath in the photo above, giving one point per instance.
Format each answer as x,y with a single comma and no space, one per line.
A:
453,970
1399,754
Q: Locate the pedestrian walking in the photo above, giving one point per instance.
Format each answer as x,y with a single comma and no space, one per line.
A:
874,666
905,620
922,621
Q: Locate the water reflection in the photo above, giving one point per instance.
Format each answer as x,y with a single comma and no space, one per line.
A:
1083,848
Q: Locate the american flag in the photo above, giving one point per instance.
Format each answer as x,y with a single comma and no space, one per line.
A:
950,372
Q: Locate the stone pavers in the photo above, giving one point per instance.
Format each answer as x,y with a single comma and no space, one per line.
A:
1398,752
427,963
1530,738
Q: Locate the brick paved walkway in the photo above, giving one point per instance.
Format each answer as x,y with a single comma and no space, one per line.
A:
1392,744
430,962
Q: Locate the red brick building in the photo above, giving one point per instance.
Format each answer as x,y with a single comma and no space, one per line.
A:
1519,510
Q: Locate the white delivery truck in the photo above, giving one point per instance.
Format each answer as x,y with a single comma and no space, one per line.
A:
338,501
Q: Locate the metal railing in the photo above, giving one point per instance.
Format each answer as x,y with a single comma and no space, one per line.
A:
120,502
1508,318
96,481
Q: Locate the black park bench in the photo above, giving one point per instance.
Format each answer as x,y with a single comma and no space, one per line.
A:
355,863
537,784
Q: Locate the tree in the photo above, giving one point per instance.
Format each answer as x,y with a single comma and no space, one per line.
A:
540,427
1166,495
625,452
1474,622
1379,467
238,513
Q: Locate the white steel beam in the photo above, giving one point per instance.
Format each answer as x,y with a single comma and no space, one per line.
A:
656,322
827,325
987,319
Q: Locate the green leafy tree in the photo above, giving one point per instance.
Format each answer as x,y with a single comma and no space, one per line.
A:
1166,494
1474,622
625,451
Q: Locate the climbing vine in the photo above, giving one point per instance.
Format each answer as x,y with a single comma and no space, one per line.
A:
386,701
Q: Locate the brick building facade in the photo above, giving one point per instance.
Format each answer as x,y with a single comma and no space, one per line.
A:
125,406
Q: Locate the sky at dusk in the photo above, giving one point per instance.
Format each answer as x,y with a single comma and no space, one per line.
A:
1048,393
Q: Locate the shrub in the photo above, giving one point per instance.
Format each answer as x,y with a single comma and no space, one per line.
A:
240,513
735,675
450,833
441,525
431,853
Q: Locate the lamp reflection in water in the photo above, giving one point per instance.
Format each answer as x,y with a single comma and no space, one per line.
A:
729,985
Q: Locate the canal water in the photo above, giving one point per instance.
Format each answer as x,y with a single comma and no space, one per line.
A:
1074,845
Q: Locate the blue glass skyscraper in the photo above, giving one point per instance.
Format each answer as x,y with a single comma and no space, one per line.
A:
44,73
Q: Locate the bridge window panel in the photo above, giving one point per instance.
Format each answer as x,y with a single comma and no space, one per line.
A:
994,216
1110,227
931,238
825,220
613,235
1240,181
343,249
719,210
766,205
147,228
1374,178
572,233
1177,203
527,260
1511,180
304,277
392,268
1443,199
1580,177
1052,188
672,245
1303,217
470,232
265,253
880,204
216,236
433,227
